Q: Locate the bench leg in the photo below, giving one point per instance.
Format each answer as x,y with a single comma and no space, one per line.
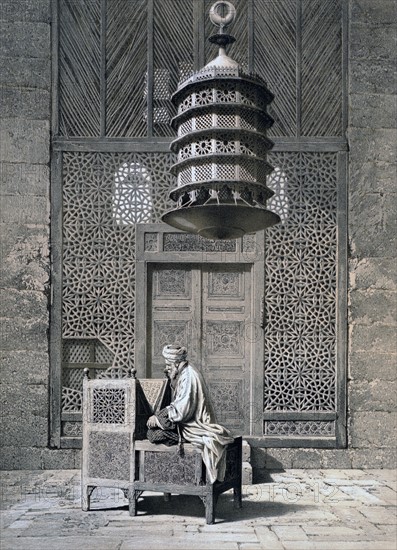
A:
210,503
86,497
237,496
133,502
209,511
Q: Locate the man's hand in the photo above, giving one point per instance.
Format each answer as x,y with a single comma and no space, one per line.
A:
152,422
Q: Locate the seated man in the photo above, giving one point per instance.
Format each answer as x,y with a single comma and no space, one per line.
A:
189,416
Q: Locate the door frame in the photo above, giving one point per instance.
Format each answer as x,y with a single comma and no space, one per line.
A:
151,248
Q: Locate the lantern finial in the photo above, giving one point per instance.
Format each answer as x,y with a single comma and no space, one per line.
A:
222,14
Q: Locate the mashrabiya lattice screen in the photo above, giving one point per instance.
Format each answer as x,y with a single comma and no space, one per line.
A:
100,206
300,267
104,195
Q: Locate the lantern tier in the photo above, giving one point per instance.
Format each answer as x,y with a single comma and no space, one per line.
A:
221,116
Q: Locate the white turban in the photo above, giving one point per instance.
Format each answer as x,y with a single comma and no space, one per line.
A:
174,353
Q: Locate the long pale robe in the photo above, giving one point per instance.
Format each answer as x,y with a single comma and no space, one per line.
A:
191,408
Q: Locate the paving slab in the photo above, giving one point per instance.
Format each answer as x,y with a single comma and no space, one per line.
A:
268,538
352,518
57,543
337,544
385,493
360,494
289,532
335,532
388,530
379,515
294,510
177,545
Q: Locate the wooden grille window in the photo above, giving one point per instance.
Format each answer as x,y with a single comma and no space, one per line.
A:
116,64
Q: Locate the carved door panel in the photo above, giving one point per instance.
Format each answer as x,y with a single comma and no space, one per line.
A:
226,353
208,310
173,316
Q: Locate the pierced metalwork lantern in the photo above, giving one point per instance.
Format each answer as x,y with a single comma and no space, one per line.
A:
221,146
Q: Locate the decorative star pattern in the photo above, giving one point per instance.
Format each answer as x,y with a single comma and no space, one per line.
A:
300,264
104,195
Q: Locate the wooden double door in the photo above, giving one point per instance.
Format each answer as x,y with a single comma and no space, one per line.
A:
208,309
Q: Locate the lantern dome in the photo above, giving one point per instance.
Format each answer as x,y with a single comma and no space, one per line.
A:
221,146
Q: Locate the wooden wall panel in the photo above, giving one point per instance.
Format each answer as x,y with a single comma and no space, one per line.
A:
126,68
79,68
173,57
321,68
275,35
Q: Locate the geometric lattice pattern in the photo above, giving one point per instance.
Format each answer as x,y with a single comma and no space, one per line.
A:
108,406
278,183
71,400
99,254
72,378
300,290
300,428
104,195
99,241
85,352
132,197
77,353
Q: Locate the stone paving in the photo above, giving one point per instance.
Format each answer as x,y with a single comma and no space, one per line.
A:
290,510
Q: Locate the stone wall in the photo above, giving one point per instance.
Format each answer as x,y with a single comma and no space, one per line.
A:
25,52
25,291
373,235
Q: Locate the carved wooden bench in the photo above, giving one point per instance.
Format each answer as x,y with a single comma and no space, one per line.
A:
161,468
116,453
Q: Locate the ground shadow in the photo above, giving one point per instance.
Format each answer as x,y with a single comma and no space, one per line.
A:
192,506
265,476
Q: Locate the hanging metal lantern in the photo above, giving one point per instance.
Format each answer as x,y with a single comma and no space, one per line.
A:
221,146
